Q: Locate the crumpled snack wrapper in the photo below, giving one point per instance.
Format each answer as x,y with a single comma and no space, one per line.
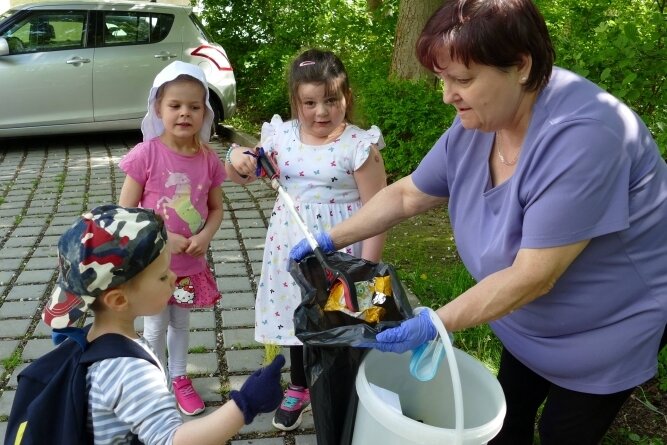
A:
371,296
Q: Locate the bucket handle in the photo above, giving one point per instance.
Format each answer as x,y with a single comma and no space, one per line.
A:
453,370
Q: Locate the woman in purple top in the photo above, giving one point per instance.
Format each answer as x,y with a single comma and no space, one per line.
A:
558,200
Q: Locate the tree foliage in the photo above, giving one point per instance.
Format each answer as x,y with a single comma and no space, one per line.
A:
262,36
618,44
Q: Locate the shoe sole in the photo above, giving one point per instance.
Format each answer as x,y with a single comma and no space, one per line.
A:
296,424
194,413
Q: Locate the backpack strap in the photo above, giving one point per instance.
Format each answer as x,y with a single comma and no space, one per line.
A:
104,347
112,346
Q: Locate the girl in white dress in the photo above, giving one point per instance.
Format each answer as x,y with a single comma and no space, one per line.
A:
330,168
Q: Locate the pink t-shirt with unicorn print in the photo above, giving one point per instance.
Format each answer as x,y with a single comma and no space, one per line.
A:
176,187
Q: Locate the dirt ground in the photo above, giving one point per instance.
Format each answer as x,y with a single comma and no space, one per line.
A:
643,415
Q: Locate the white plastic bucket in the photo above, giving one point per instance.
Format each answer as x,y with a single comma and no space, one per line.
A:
466,406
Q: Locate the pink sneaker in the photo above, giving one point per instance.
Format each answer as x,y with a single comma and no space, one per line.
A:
188,400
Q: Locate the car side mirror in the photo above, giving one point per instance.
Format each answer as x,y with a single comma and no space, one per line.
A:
4,47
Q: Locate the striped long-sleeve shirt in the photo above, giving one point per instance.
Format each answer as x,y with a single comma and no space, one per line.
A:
128,396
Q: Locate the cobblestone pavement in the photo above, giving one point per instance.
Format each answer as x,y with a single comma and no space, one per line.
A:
45,183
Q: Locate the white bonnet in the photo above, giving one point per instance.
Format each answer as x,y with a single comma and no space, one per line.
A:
151,126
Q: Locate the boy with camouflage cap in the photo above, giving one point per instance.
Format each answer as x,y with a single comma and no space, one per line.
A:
113,260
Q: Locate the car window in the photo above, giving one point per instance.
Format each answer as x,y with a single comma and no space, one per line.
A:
160,26
200,27
47,31
131,28
6,14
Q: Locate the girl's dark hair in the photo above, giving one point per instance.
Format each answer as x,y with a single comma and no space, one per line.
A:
489,32
319,67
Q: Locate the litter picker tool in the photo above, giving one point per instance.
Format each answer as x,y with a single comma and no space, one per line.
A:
335,276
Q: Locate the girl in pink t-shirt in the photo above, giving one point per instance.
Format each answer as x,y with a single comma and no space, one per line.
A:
176,174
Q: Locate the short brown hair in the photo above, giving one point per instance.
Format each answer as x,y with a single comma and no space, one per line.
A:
319,67
489,32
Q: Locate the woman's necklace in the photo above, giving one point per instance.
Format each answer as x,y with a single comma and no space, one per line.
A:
500,153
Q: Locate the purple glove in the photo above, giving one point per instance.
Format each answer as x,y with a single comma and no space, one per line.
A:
262,392
302,248
410,334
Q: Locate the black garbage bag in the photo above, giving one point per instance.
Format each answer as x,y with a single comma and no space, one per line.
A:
330,360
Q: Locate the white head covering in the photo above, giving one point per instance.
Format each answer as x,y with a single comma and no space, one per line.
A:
152,125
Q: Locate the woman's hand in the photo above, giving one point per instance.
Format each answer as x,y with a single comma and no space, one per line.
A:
409,335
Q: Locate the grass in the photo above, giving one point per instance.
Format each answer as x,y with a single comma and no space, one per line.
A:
662,370
626,436
11,362
423,252
239,123
225,389
270,352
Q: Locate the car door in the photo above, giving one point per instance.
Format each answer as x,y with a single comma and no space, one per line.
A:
47,75
133,48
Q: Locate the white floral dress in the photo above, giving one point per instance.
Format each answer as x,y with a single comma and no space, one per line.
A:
320,180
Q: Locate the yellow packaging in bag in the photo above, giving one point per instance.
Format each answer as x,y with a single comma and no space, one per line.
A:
371,295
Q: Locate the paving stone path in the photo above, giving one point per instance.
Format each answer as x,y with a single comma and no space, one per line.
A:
45,183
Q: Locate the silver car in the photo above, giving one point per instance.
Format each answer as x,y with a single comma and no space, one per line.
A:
88,65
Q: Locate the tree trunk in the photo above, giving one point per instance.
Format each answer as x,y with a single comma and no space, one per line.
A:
372,5
412,16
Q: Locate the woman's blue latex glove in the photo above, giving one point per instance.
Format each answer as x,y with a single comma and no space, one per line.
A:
410,334
302,248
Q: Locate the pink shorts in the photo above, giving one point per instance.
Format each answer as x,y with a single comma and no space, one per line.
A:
196,291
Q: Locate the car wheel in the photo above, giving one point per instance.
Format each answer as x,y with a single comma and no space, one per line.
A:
218,115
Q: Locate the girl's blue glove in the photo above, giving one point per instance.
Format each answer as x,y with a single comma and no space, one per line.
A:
303,249
409,335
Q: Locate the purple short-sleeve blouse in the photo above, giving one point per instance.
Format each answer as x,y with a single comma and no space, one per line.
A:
589,169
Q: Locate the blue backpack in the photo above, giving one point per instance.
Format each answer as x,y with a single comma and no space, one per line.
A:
51,401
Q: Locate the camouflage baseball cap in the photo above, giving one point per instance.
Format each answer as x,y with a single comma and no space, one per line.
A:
103,249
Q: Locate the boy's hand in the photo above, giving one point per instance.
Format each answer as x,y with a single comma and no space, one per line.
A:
262,392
